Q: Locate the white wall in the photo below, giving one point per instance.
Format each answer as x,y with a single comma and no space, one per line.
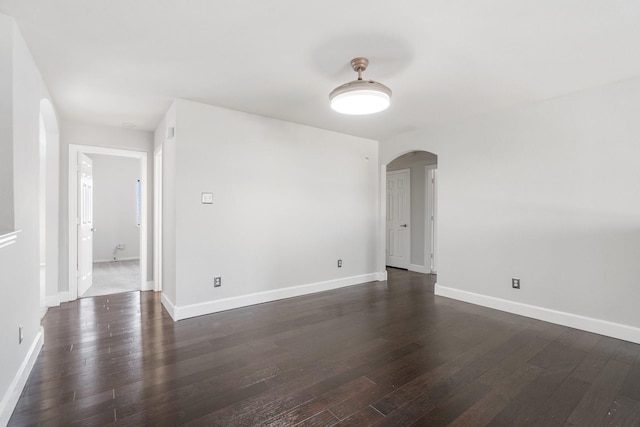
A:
547,193
6,125
100,136
115,207
19,263
289,201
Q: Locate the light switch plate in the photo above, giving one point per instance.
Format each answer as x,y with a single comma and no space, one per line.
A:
207,198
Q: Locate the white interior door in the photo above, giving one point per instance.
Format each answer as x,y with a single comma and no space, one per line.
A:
85,223
398,216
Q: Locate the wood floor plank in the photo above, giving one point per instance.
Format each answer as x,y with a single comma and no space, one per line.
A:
558,356
561,403
320,404
481,413
381,353
323,419
451,408
627,352
596,360
593,407
624,412
365,417
525,407
631,386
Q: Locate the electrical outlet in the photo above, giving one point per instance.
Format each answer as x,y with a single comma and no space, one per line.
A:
20,335
217,281
515,283
207,198
339,263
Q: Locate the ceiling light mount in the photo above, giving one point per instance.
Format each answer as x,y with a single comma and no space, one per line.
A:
360,96
359,65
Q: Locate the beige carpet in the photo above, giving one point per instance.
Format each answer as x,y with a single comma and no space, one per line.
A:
114,277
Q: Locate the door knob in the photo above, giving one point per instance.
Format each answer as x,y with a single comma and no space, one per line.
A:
403,225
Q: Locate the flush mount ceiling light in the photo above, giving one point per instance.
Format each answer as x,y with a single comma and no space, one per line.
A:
360,96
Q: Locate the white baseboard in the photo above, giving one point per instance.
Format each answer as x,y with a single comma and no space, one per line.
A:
83,287
149,286
57,299
10,399
52,300
382,276
169,306
117,259
193,310
64,297
602,327
419,269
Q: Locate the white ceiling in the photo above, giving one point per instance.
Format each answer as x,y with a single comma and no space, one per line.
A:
115,61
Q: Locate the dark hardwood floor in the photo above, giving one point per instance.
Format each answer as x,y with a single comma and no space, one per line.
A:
384,353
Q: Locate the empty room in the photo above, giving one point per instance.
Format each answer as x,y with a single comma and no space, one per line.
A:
335,213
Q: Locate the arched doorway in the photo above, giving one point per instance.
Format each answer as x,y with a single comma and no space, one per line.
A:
410,199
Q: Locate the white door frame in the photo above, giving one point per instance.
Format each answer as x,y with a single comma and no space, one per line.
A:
157,221
431,204
42,211
73,209
85,223
382,223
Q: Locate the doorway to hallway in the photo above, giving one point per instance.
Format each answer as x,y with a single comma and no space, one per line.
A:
411,212
107,221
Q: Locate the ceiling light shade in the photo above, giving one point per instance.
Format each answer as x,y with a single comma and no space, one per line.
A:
360,96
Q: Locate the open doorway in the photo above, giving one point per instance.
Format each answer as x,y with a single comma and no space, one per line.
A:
116,220
411,197
107,221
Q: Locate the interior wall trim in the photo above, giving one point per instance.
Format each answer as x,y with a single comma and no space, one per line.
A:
10,399
52,300
169,306
419,269
209,307
589,324
131,258
64,296
57,299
